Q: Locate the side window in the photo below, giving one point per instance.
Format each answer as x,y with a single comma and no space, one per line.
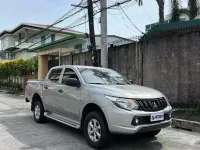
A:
69,73
55,75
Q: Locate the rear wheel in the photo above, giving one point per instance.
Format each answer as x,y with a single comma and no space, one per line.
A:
96,131
38,112
152,133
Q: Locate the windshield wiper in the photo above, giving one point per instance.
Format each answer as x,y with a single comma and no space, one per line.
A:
96,83
120,83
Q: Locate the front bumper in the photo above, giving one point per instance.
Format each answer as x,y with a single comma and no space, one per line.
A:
121,121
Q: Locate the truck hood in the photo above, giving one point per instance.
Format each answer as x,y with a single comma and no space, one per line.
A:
128,91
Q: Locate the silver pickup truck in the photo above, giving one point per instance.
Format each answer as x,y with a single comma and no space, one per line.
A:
98,101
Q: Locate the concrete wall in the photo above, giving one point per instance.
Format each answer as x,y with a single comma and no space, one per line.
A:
122,59
172,65
111,40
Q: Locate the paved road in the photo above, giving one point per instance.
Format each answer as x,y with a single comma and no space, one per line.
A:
18,131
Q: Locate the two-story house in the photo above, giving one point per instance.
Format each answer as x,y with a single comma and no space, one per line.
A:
26,40
18,42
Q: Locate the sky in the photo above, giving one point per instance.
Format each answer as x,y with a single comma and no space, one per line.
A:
15,12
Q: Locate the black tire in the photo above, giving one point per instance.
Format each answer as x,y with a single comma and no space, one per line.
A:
103,141
41,118
152,133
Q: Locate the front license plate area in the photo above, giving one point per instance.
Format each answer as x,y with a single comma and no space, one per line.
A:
157,117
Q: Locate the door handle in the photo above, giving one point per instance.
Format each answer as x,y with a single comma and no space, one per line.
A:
61,91
46,87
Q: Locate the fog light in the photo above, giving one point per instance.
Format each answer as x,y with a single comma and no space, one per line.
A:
136,120
170,115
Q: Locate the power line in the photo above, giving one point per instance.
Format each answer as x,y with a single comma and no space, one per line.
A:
67,27
125,24
130,20
117,4
109,7
61,19
147,13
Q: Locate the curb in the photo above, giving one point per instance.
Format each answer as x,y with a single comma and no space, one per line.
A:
186,124
12,92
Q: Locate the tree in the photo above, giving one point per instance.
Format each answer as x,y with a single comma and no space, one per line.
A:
175,11
161,4
192,11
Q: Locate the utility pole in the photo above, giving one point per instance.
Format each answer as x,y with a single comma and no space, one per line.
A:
92,46
104,48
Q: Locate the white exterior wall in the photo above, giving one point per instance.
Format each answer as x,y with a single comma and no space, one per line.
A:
8,41
111,40
72,43
58,36
25,55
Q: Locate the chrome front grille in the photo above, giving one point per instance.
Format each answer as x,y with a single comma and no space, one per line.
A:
151,104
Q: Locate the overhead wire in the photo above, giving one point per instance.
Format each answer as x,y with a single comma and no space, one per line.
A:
68,27
65,28
130,20
146,12
126,24
61,19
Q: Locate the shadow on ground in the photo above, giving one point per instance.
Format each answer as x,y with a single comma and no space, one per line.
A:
54,135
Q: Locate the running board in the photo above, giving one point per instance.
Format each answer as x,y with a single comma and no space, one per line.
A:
61,121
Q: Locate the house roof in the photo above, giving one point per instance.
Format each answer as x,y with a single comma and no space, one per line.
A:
171,28
119,37
40,26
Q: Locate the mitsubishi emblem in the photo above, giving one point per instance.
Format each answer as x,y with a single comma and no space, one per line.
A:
155,105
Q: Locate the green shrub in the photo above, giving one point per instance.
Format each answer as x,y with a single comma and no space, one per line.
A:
16,68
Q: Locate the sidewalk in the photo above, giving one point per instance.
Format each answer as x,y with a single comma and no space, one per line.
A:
19,93
188,119
180,118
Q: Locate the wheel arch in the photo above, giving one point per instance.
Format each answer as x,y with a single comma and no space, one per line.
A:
90,108
36,97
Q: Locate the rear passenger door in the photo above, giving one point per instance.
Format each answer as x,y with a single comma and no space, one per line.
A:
50,89
69,97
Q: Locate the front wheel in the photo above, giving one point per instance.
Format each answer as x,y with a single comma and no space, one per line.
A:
96,131
39,112
152,133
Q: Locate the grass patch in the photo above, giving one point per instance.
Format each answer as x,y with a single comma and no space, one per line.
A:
192,110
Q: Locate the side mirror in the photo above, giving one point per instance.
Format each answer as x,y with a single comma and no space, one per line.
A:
131,81
72,82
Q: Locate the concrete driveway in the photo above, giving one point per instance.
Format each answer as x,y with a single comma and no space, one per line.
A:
18,131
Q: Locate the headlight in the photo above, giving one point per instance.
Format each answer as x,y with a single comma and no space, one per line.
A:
123,103
166,99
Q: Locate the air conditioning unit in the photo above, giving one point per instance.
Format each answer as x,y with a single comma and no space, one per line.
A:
78,47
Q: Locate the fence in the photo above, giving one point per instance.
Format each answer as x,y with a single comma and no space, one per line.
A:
16,83
169,64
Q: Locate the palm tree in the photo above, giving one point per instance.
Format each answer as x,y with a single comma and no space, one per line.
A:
192,11
161,4
193,6
175,11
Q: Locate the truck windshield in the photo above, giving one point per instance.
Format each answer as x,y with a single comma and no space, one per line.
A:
102,76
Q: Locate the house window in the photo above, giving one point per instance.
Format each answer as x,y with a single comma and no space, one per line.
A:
42,40
20,38
52,37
